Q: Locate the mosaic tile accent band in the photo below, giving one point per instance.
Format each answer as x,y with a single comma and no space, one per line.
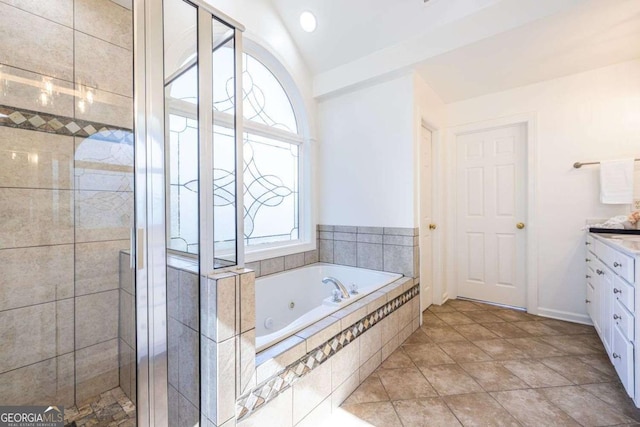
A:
280,382
21,118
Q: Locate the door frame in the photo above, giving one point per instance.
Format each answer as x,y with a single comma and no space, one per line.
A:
529,120
438,294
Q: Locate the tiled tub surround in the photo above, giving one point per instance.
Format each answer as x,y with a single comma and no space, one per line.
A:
66,199
377,248
325,362
292,300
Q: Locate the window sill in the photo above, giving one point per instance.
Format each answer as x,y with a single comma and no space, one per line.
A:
258,254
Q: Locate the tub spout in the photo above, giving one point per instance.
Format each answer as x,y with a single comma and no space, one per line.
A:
339,286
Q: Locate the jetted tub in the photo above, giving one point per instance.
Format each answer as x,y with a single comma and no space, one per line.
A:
292,300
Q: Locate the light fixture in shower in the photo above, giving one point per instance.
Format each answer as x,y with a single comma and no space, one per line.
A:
308,21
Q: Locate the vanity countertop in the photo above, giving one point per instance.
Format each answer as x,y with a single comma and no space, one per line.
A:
628,243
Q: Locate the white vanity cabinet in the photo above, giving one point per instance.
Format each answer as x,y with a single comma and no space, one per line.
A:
613,283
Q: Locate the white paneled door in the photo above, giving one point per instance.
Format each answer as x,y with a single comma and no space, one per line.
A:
427,227
491,223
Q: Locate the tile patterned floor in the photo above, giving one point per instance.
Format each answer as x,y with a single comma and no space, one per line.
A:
474,364
111,409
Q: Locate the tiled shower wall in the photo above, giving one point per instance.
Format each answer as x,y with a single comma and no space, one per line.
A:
66,196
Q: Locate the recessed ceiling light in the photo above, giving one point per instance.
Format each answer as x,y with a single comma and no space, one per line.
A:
308,21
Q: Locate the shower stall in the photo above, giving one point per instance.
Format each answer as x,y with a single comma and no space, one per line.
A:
113,113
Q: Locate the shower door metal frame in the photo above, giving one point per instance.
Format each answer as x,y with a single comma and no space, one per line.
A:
149,234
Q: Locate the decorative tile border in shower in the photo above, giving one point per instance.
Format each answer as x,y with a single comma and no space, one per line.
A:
271,388
21,118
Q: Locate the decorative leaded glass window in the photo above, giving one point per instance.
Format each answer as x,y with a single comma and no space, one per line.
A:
271,157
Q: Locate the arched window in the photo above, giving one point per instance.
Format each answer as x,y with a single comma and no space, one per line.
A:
271,153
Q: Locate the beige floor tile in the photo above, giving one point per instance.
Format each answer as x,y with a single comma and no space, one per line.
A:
573,344
474,332
464,306
464,352
479,410
615,395
536,328
492,376
430,319
450,379
398,359
454,318
500,349
567,328
535,374
427,354
506,330
512,315
576,370
443,334
377,414
600,362
534,347
531,408
484,316
445,308
371,390
403,384
584,407
425,412
418,337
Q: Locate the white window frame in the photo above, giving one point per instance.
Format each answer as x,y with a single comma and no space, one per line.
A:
306,216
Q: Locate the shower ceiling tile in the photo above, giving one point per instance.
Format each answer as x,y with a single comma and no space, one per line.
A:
44,46
35,217
102,65
105,20
35,159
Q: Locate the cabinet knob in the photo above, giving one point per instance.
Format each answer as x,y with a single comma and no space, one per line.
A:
616,317
616,356
588,276
617,291
587,259
587,301
587,243
617,264
600,272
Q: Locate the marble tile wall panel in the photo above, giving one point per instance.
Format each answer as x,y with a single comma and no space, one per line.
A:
35,275
35,217
35,160
96,319
41,46
103,215
103,165
60,11
54,380
97,370
106,20
102,65
97,266
37,333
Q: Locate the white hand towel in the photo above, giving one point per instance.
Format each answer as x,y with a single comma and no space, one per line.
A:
616,182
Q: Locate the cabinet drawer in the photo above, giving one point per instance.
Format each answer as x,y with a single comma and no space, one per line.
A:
589,242
621,264
622,357
625,293
623,320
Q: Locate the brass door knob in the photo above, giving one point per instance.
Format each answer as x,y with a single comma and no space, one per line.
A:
432,226
520,225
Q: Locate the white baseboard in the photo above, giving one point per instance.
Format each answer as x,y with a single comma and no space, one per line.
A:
565,315
445,297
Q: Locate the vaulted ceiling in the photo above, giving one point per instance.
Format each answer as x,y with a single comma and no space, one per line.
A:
462,48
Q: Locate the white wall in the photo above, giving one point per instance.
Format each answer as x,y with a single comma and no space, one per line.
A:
365,156
589,116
